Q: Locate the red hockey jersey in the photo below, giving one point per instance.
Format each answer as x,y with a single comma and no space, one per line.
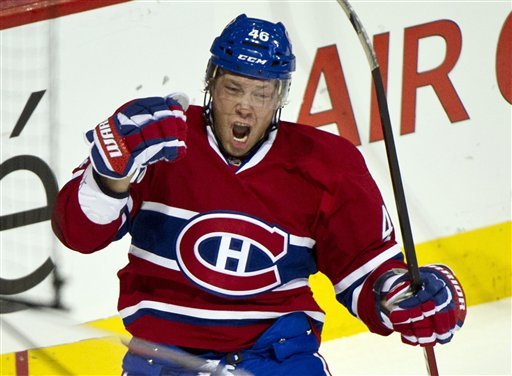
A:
218,252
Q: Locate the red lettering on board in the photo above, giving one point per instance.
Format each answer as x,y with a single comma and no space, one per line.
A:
327,62
504,60
437,77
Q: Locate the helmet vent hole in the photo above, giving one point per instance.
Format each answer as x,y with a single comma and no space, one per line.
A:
228,51
255,45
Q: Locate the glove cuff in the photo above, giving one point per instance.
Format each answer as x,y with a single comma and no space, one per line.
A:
369,301
98,206
382,287
106,190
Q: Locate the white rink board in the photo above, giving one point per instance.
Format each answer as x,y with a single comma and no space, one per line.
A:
456,175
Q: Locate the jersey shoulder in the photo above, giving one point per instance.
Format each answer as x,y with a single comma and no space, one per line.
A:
195,118
309,143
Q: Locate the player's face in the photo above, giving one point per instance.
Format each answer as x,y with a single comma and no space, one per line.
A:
242,111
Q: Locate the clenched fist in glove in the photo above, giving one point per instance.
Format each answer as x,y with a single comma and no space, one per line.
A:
429,316
139,133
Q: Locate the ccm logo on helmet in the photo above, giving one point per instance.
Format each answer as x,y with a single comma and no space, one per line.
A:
231,254
251,59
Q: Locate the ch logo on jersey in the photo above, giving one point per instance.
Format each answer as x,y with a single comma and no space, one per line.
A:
231,254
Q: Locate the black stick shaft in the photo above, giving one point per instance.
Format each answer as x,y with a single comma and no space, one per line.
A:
396,180
394,168
401,203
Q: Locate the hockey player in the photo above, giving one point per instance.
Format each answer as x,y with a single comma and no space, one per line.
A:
224,238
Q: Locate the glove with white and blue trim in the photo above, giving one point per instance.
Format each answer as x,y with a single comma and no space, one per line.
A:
426,317
139,133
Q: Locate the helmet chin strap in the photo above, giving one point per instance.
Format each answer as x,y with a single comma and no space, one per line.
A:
208,118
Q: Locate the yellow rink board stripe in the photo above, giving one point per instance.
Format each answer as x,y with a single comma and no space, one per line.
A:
482,260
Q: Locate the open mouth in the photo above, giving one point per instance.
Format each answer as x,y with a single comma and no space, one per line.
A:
241,132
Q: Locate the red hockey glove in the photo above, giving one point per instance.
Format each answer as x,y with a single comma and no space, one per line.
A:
429,316
139,133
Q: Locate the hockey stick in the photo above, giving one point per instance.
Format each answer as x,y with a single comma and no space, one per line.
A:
186,360
394,168
51,318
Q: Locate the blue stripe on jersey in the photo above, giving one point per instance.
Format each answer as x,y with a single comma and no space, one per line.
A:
346,297
199,322
157,233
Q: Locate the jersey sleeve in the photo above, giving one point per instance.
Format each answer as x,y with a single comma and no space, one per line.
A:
87,218
356,239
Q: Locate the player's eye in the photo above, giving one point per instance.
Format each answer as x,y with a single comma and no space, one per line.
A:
262,96
230,89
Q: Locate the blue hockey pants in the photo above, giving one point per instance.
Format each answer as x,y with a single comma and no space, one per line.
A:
288,348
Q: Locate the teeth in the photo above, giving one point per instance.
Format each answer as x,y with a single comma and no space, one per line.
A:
241,132
243,139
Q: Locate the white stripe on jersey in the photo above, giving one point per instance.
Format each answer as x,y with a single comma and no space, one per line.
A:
355,299
171,211
366,268
168,210
302,241
154,259
211,314
173,265
293,284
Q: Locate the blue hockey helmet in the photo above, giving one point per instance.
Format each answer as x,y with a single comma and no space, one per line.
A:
255,48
